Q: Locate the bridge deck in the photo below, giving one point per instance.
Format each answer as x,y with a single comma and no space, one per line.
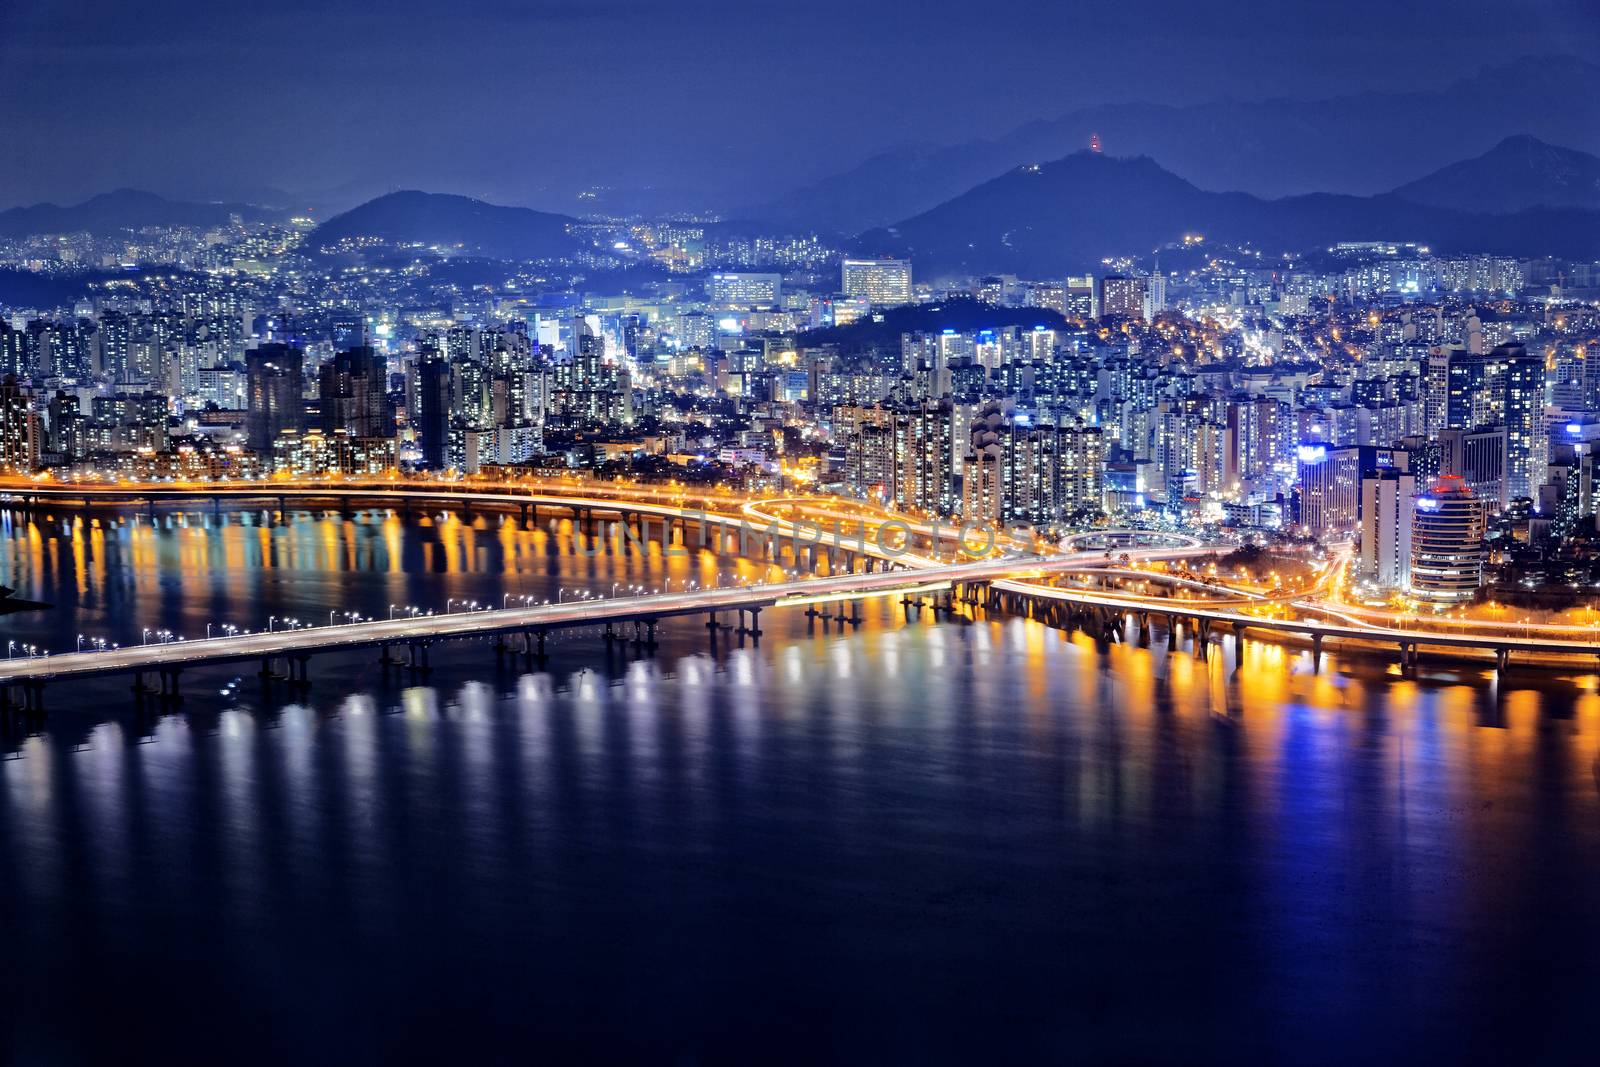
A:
310,640
1305,627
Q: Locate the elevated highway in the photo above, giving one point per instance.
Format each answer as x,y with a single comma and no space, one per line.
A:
415,635
921,556
1210,619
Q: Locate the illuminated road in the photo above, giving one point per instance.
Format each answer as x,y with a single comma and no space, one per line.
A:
547,617
1408,640
857,530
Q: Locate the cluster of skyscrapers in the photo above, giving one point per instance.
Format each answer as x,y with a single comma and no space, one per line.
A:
1368,400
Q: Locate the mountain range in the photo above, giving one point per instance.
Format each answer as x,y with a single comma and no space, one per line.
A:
123,209
1519,173
1358,144
1522,197
1044,220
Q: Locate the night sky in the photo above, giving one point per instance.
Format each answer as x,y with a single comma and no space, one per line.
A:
528,102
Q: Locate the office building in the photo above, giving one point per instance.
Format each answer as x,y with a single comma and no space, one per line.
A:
1121,297
881,282
1387,501
1447,553
273,374
19,428
745,292
353,391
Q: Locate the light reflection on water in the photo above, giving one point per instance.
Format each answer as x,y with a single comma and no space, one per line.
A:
894,843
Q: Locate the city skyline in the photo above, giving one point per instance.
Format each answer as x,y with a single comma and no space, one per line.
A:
832,533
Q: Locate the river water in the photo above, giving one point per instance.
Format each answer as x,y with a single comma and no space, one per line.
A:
973,840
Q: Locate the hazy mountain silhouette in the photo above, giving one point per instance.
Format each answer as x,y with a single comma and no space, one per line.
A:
123,209
1360,144
452,222
1518,173
1066,216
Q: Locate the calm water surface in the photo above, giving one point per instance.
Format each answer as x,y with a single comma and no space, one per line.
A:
978,840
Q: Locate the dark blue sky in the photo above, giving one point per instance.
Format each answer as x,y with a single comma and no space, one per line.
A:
527,102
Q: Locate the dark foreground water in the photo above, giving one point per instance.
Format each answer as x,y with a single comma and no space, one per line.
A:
977,841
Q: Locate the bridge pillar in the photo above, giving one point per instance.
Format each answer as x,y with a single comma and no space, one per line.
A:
418,652
753,629
644,633
1502,658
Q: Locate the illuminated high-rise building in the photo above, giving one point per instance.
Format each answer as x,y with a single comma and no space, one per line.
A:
1504,389
434,400
1527,443
1447,554
353,387
744,291
19,428
1387,502
1331,483
882,282
1155,296
273,373
1121,297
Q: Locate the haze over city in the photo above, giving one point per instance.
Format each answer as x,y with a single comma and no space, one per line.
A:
705,101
